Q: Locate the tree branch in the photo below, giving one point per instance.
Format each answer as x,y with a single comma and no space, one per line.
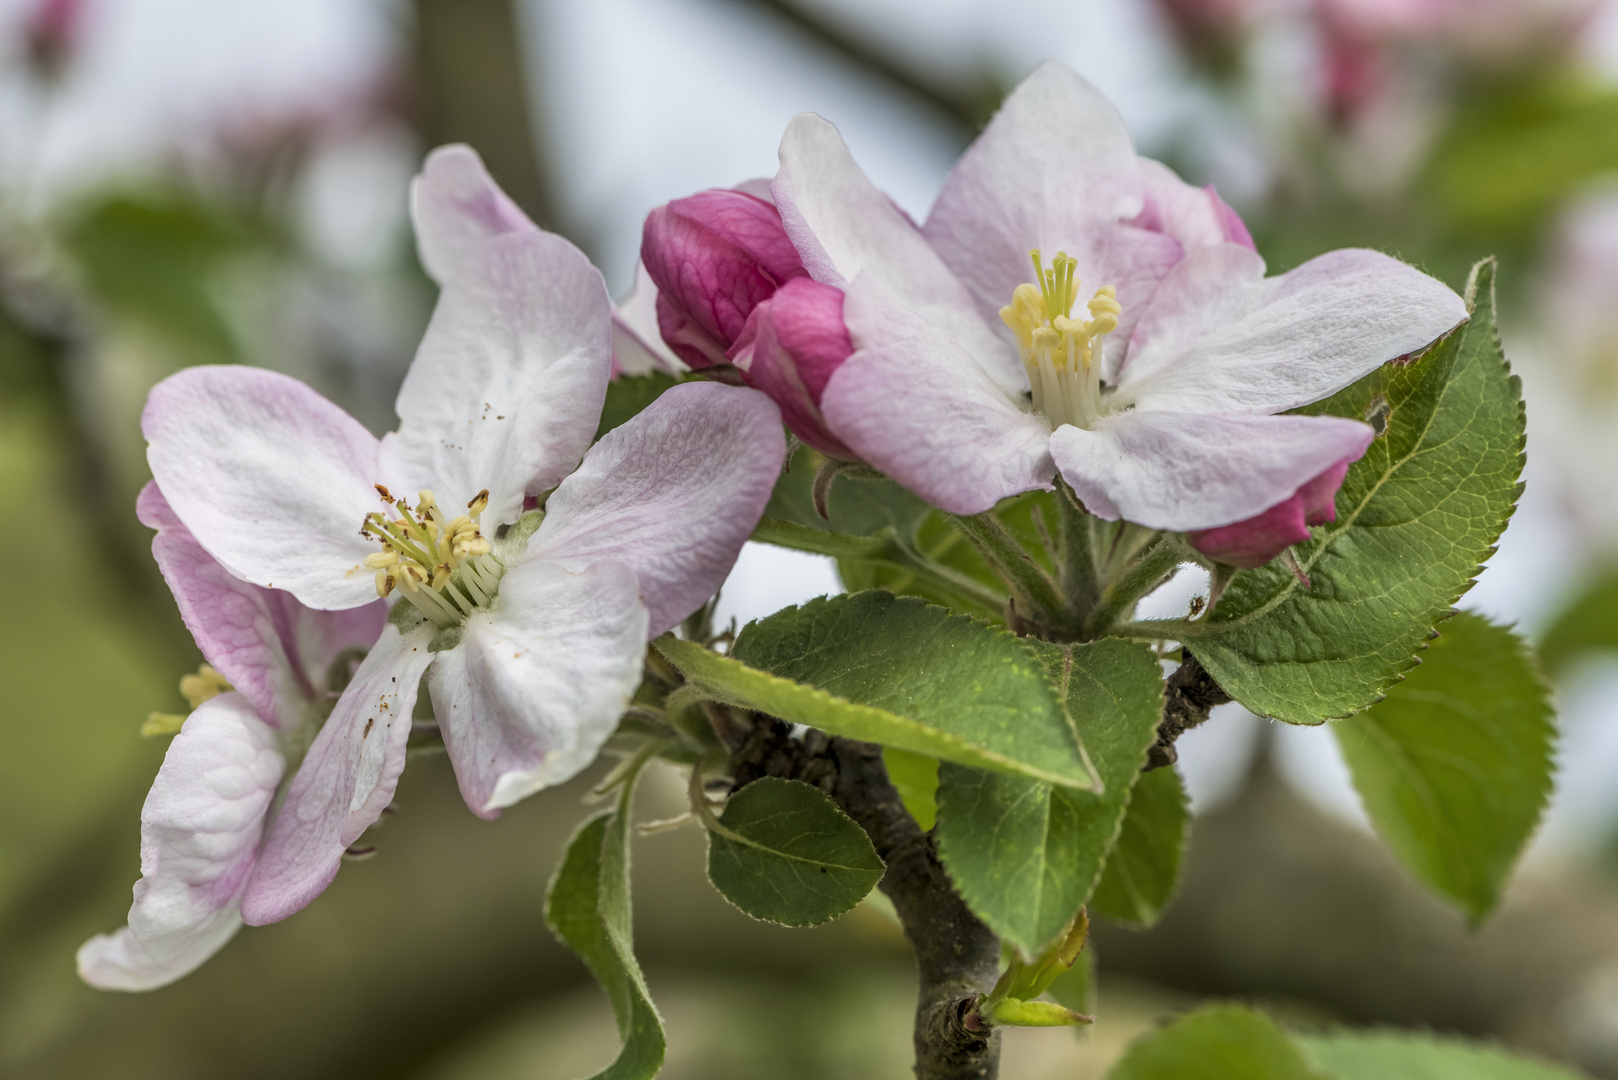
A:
1190,695
957,957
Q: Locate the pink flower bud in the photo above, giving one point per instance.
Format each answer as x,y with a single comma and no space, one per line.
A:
1262,537
789,349
715,256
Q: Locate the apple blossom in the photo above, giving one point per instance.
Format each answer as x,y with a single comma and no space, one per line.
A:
978,371
530,626
277,663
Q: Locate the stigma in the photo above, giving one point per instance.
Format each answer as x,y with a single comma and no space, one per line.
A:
1061,354
441,565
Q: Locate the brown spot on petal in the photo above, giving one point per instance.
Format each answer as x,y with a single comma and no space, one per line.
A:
366,734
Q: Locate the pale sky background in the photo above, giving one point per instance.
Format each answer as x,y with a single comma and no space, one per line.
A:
647,100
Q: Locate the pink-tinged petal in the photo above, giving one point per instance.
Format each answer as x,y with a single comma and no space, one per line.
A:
791,346
506,389
1219,337
914,404
1054,170
844,227
345,782
1262,537
270,477
455,206
1196,217
199,833
536,686
1319,496
1185,471
673,494
715,256
637,345
271,648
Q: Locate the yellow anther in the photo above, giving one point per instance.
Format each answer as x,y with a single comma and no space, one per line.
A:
206,683
383,559
425,553
1059,351
384,583
158,723
479,503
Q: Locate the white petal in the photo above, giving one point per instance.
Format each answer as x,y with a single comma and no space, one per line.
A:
535,687
1185,471
200,830
1054,170
346,780
1219,337
272,649
673,494
272,479
455,206
637,343
506,389
915,405
843,227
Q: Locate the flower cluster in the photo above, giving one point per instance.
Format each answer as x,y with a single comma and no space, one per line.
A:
1070,314
948,356
528,614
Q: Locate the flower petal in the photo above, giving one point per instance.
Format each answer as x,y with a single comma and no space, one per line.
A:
912,402
792,344
345,782
1219,337
199,833
506,389
844,227
637,345
272,649
1053,171
455,206
1186,471
673,494
272,479
1195,216
535,687
1260,538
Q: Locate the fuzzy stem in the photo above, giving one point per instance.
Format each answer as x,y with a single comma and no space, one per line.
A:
1032,589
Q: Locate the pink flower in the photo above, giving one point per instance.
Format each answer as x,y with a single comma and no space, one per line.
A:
208,808
1156,397
531,627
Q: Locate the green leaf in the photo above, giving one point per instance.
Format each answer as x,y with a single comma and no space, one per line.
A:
1075,988
898,672
788,855
1454,767
1217,1042
587,908
1025,855
915,777
857,505
1590,624
1388,1055
1144,866
1416,517
627,395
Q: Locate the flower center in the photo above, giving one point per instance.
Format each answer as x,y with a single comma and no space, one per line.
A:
1061,354
443,566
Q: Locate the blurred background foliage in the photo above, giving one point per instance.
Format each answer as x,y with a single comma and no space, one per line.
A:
256,215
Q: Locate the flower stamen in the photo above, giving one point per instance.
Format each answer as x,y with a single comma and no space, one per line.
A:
443,566
1060,353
